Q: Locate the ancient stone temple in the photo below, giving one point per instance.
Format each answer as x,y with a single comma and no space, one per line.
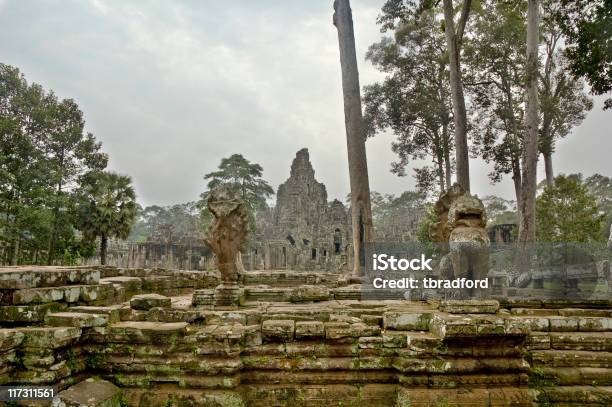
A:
303,231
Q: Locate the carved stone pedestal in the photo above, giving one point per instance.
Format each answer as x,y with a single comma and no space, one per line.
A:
227,295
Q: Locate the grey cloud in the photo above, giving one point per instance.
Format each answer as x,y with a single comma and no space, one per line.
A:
172,87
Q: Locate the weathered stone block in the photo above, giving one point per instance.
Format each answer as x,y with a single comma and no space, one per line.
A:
539,324
203,297
344,318
147,301
370,342
469,306
309,329
77,319
372,319
281,330
9,339
594,324
28,313
563,324
49,337
394,339
590,341
538,341
252,335
361,329
92,392
337,330
112,312
43,276
308,293
99,292
46,295
406,321
145,332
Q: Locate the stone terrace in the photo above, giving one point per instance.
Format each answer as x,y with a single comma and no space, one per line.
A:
151,338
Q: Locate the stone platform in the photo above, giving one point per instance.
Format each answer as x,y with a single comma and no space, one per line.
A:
299,340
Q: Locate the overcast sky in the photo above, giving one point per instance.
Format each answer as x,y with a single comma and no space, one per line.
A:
171,87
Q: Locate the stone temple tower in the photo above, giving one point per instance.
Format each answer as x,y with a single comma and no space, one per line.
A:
304,231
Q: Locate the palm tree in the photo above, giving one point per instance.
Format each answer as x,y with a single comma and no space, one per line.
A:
107,208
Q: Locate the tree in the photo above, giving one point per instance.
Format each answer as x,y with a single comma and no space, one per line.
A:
361,212
454,42
414,99
395,217
495,57
106,207
23,174
566,212
70,154
563,102
499,211
183,218
243,178
600,187
587,29
529,159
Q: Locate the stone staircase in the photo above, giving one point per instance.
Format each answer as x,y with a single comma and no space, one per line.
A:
162,350
570,353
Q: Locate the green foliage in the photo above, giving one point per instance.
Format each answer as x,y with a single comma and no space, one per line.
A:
600,187
106,207
566,212
245,179
393,215
423,235
44,153
181,221
500,211
413,101
586,28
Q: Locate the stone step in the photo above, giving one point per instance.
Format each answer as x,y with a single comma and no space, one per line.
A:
407,320
566,323
267,294
10,339
145,302
589,341
573,376
92,392
113,312
145,332
564,312
469,306
69,293
571,358
77,319
28,313
21,277
49,337
130,284
576,395
448,326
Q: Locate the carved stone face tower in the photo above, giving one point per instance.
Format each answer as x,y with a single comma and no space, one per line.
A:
304,231
301,200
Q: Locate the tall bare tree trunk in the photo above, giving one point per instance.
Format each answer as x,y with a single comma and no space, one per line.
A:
447,161
15,260
548,169
454,38
530,144
103,248
361,213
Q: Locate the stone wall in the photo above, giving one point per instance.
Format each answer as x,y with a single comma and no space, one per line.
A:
298,341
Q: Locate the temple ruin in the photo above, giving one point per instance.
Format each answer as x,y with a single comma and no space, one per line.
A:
303,231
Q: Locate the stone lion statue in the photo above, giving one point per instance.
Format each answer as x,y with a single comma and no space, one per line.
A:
461,223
